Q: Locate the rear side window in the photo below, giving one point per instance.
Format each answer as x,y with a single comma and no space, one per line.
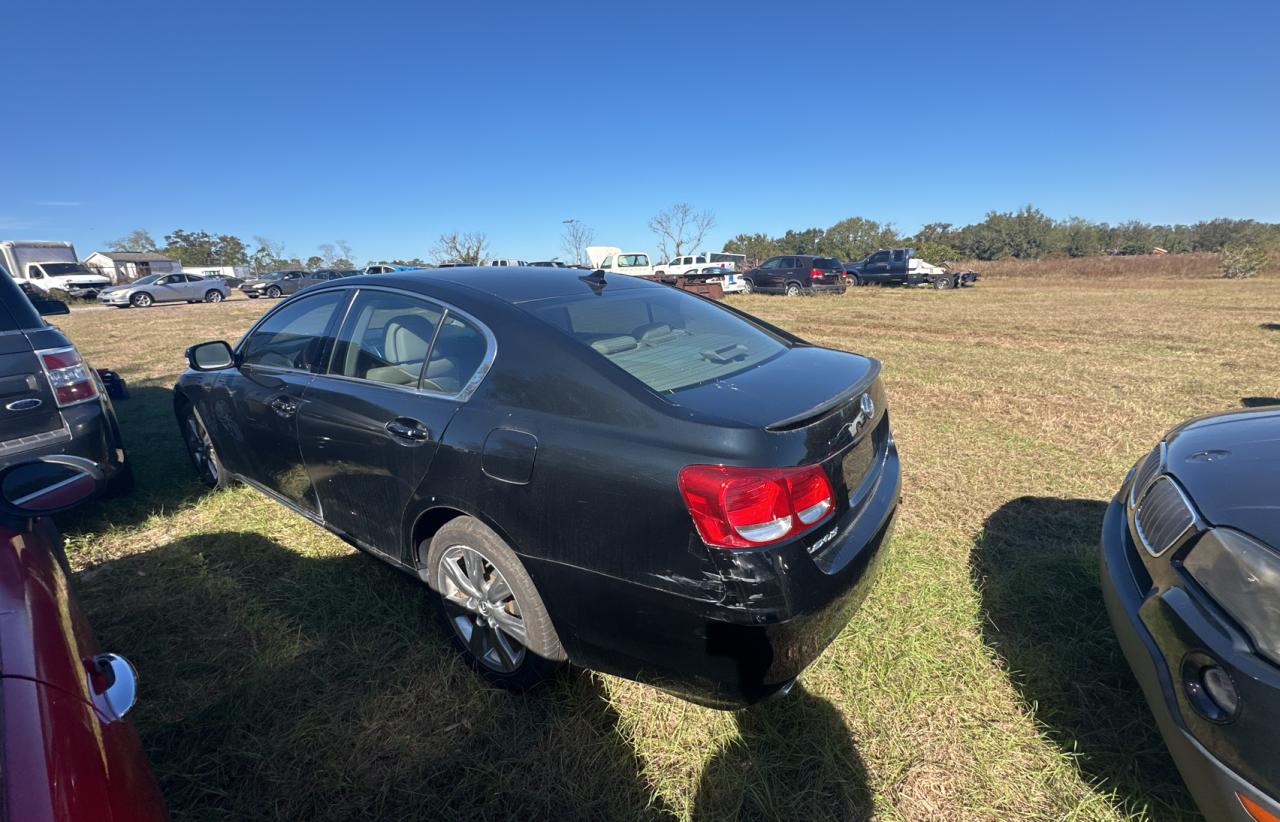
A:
386,338
665,338
456,356
294,336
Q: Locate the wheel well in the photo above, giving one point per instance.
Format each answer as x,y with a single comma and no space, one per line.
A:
428,523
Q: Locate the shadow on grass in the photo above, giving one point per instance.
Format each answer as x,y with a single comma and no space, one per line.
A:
1036,564
278,685
1259,402
794,759
165,479
1270,326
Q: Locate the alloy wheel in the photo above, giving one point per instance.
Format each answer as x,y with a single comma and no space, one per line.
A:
142,300
213,297
201,449
482,608
273,292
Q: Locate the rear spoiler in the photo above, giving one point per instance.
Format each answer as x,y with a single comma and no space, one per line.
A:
812,415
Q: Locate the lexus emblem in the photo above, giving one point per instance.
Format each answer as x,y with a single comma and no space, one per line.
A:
866,410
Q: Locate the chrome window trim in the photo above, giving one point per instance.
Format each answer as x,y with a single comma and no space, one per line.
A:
353,290
1194,527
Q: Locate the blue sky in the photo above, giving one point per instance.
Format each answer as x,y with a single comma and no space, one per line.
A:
385,124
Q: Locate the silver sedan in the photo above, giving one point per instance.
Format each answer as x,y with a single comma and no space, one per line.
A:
165,288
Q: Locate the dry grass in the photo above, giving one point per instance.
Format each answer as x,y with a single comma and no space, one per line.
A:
285,676
1134,272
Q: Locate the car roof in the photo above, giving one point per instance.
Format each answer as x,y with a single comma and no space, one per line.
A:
513,284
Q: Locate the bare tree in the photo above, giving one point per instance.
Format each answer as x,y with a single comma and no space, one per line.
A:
577,236
327,254
344,250
681,229
466,248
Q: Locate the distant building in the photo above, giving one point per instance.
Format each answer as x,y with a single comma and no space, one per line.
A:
127,266
240,271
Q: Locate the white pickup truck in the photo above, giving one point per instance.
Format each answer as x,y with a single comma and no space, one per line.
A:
613,260
46,265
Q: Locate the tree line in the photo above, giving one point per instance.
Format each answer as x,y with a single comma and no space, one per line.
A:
200,248
1025,234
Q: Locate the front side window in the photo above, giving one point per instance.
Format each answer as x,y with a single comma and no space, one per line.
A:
294,336
897,256
771,263
608,262
633,260
667,339
880,257
386,338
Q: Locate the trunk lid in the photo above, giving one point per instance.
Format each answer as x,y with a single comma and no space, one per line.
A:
27,405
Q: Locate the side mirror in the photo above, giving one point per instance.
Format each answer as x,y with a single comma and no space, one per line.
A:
48,485
50,308
210,356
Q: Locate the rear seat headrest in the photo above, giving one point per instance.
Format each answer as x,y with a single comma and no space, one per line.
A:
612,345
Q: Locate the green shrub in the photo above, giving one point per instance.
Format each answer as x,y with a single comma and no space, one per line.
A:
1241,261
59,294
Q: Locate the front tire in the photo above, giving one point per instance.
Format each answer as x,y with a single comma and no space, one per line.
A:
793,289
141,300
494,614
200,448
213,296
748,287
274,292
854,281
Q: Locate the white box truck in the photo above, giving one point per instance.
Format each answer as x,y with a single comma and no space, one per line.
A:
50,264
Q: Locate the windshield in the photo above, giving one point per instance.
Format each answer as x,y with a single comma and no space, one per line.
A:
147,280
63,269
667,339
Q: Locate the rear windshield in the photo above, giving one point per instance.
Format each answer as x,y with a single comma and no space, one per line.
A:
827,263
16,310
665,338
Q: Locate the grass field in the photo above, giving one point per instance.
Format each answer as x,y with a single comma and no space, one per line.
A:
286,676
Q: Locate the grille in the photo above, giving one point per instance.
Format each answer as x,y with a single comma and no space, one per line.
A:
1163,517
1146,471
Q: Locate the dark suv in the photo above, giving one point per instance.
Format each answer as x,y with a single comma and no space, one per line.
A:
51,401
796,274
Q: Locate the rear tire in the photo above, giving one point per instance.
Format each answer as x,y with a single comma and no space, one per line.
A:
122,483
204,457
793,289
491,610
213,296
943,283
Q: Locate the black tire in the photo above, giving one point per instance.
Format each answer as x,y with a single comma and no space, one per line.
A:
141,300
213,296
854,281
943,283
122,483
541,653
274,292
794,289
748,287
204,457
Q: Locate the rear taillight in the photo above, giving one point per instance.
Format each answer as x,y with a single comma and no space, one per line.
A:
68,376
744,507
815,274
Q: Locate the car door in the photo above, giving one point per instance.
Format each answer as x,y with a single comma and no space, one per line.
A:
765,278
876,269
276,362
898,266
167,289
370,426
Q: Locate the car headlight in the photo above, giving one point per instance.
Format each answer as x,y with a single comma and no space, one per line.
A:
1243,577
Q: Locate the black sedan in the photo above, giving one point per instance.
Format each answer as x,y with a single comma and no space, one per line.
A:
1191,577
607,471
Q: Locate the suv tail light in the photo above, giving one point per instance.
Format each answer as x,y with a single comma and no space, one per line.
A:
816,273
68,376
744,507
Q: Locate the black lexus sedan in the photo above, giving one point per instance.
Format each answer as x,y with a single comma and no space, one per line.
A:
1191,578
603,470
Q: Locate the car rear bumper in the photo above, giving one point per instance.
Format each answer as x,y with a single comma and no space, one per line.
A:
716,653
91,432
821,288
1174,620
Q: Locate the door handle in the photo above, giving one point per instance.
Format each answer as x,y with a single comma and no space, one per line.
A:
284,406
410,429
